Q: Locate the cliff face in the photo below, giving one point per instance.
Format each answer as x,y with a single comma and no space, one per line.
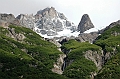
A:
85,23
81,58
109,41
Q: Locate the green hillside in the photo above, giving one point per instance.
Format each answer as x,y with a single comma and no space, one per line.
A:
80,68
30,58
109,39
26,55
110,42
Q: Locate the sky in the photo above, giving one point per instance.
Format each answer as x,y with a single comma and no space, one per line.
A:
101,12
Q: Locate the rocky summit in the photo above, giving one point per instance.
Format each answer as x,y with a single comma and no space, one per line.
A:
47,22
85,24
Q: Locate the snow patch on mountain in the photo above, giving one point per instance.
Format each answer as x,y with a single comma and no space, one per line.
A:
91,30
49,23
66,32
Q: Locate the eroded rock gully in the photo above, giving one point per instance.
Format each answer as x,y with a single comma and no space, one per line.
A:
59,64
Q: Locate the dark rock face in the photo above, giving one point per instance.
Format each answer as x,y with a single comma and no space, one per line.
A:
85,23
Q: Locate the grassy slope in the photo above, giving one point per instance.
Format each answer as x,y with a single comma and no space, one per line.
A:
108,40
111,70
35,63
81,67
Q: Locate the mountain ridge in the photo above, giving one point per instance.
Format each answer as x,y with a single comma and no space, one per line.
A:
50,23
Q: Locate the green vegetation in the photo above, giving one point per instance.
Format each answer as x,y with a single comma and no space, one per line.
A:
110,41
80,68
111,70
31,58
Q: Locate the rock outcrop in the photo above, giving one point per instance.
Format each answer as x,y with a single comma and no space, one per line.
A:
27,21
85,23
96,57
18,37
58,65
54,42
90,37
7,19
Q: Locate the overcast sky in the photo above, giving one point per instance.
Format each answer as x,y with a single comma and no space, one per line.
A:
101,12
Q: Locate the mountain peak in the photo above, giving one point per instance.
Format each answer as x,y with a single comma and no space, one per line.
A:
48,12
85,23
48,22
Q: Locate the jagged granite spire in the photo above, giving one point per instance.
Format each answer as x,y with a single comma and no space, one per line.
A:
85,23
